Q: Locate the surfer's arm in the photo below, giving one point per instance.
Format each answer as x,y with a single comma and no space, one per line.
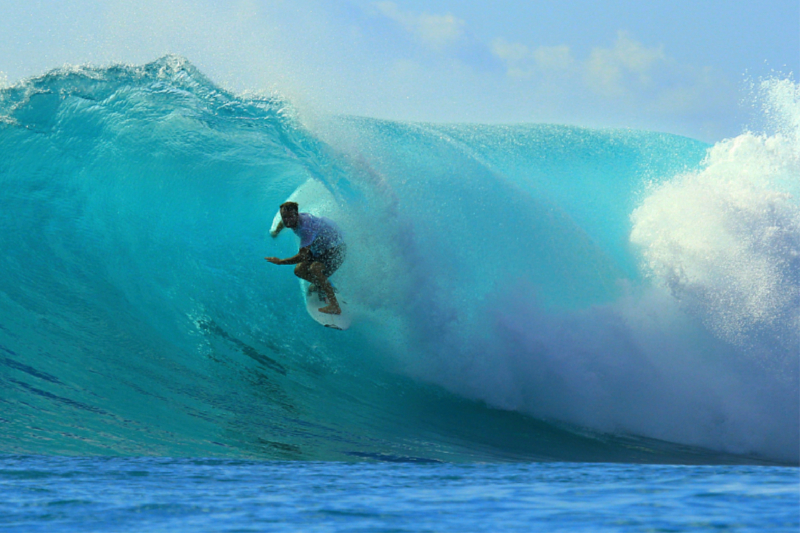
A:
277,229
299,258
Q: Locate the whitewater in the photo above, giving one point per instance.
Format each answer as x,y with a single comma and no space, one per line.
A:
520,292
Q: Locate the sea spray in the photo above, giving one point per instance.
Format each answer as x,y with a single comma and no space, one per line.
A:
725,239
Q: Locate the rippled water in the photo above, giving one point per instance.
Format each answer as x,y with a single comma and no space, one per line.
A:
62,494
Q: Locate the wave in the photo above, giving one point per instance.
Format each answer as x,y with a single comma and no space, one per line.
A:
520,292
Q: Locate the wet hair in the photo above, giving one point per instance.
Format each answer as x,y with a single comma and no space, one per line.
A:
289,206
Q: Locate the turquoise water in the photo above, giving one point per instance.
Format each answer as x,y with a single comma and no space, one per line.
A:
160,494
548,320
527,291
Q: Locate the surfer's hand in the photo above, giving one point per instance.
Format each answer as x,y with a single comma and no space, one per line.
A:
274,260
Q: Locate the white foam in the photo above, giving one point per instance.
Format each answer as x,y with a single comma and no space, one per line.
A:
726,240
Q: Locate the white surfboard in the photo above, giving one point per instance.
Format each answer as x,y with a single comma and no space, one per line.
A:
315,299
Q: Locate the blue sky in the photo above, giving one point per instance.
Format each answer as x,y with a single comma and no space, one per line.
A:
678,66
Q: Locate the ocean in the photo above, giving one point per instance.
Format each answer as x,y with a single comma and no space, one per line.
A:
64,494
553,326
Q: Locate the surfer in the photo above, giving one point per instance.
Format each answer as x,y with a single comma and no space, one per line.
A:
322,250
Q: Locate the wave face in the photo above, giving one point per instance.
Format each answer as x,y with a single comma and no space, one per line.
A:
520,292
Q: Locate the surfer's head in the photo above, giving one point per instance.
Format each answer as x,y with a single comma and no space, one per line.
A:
290,214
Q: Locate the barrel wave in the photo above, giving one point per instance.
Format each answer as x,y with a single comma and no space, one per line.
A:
530,292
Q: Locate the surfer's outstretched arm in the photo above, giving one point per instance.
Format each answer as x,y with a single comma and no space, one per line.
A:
278,229
301,256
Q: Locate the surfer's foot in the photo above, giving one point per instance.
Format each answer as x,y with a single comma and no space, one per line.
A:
331,310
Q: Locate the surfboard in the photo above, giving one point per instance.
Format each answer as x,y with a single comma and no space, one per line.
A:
315,299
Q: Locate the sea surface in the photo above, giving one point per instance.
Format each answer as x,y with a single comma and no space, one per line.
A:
553,326
63,494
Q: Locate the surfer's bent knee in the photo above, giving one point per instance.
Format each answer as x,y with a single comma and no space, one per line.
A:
301,270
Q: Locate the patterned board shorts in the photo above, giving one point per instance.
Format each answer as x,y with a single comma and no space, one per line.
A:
332,259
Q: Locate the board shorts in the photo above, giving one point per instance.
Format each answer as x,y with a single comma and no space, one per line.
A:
331,259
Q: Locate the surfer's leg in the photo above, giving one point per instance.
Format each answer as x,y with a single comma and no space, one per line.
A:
332,259
318,278
303,271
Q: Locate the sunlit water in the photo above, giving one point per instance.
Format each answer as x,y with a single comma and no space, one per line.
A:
167,495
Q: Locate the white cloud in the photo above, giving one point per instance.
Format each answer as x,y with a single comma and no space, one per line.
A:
554,57
627,74
510,52
435,31
523,62
616,71
515,56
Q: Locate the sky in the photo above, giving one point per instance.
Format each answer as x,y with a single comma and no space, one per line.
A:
678,66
